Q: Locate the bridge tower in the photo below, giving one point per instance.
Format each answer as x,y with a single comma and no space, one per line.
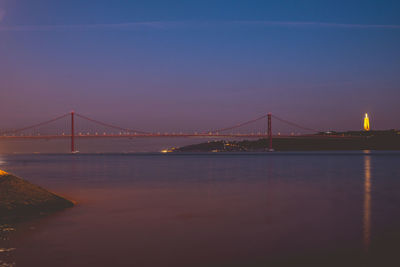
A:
270,132
72,133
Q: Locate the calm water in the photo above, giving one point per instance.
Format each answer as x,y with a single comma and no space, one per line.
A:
294,209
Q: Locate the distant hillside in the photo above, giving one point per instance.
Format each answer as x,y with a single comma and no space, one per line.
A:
374,140
391,132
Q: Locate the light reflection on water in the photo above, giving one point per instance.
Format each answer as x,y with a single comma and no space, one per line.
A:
209,210
367,202
2,161
6,252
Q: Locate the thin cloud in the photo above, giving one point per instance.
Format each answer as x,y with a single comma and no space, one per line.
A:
319,24
2,9
85,27
2,13
187,24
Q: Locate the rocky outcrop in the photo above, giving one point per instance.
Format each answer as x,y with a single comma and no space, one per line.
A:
20,200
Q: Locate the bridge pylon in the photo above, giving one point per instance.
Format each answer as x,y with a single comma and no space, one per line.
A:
270,132
72,133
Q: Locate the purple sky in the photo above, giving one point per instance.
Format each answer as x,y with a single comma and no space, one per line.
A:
199,65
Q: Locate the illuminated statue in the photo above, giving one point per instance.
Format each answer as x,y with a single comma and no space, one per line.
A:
366,123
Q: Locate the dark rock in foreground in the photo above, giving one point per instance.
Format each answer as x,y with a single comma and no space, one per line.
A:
20,200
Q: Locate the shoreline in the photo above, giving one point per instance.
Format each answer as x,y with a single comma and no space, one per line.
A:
300,143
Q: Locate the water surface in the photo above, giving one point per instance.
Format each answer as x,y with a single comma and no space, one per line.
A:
261,209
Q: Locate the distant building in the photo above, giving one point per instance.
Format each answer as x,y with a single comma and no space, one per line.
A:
366,122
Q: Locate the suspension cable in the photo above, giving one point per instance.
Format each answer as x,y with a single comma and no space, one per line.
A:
110,125
296,125
35,125
238,125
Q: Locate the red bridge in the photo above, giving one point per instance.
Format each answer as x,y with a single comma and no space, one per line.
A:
35,132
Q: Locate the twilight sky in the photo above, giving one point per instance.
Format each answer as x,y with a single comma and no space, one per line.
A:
166,65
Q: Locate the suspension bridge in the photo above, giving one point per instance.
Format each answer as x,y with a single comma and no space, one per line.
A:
100,129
